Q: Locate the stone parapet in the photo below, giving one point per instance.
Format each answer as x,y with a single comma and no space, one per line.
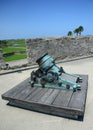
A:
2,62
59,47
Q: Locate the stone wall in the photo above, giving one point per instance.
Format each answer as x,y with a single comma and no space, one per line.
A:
61,47
2,62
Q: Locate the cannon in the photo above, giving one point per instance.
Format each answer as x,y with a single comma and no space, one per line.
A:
49,75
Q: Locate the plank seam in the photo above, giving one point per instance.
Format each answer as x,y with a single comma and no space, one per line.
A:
56,96
70,99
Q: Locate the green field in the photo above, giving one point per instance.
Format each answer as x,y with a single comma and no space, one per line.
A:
20,43
16,57
14,49
16,46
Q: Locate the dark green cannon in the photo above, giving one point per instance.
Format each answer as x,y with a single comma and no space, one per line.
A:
49,75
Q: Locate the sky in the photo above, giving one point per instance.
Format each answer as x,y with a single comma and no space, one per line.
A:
44,18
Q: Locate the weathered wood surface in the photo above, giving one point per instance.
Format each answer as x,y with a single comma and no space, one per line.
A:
51,101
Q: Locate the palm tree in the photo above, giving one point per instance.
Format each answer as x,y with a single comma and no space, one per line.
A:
76,31
70,33
81,29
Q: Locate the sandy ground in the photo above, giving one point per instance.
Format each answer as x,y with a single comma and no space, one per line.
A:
12,118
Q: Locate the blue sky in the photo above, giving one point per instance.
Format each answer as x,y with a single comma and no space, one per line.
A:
44,18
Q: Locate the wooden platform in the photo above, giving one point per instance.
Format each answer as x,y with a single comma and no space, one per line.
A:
51,101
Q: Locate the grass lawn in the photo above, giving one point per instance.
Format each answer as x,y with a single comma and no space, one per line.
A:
13,49
18,47
16,57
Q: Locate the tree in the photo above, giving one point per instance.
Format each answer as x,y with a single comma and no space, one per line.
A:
81,29
70,33
76,31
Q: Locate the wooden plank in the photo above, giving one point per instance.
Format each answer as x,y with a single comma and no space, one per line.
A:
36,97
25,93
45,96
52,96
18,88
63,98
78,99
29,97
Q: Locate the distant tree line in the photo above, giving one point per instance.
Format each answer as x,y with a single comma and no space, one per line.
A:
77,31
3,43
